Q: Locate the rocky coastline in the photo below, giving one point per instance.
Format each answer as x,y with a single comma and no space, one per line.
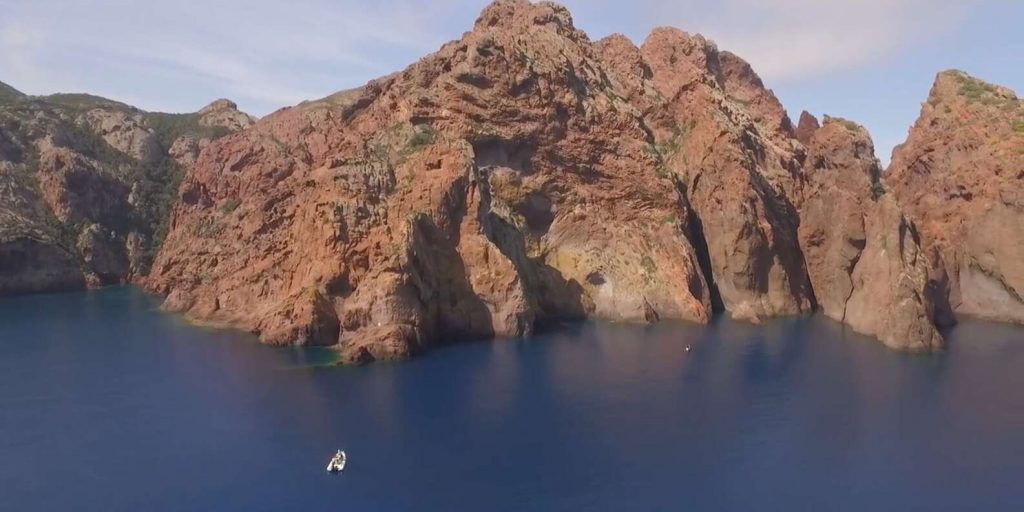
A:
521,174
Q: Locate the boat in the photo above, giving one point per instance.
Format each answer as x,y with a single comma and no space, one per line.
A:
337,462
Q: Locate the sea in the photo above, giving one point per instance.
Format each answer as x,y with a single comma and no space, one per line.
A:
108,403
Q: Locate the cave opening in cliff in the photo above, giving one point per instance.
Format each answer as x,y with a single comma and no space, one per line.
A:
511,154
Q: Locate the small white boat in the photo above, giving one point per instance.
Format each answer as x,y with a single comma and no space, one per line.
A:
337,463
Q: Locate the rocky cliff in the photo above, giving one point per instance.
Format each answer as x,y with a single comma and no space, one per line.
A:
86,186
863,255
501,181
728,143
961,176
519,175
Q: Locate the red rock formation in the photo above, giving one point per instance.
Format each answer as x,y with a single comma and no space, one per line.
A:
502,180
960,175
863,256
808,125
740,168
524,173
745,87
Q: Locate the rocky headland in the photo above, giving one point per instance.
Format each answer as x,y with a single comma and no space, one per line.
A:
519,175
87,184
960,175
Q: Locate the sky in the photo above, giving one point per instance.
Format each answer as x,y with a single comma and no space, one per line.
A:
872,61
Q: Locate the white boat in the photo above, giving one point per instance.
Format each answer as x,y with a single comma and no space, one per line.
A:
337,462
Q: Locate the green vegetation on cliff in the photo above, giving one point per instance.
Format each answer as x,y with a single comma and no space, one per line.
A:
148,178
169,127
80,101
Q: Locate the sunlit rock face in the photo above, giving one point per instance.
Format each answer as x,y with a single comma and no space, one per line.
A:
961,177
863,254
525,173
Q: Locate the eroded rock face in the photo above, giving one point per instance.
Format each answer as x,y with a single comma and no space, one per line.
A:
960,176
524,173
863,255
740,169
499,182
185,149
34,257
84,189
225,114
808,125
744,86
124,131
214,121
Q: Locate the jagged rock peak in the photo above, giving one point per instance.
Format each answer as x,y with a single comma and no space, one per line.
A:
510,14
620,54
683,54
678,36
808,125
618,39
745,85
738,69
846,147
954,84
224,113
217,105
618,45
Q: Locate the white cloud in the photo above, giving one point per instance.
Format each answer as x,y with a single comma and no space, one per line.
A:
795,39
263,54
791,40
270,53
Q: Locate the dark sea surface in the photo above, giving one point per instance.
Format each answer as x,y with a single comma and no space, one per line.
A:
107,404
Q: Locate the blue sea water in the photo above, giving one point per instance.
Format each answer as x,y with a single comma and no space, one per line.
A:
107,404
